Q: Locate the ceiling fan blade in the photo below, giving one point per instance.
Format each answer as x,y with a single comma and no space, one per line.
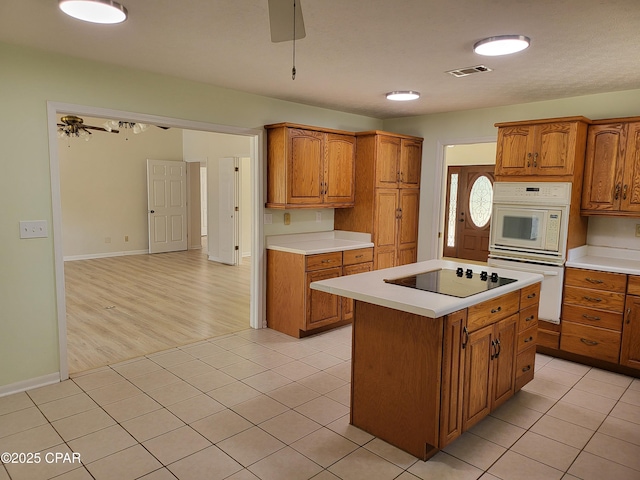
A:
281,20
99,128
164,128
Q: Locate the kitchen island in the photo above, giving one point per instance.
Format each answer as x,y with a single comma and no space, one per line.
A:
427,366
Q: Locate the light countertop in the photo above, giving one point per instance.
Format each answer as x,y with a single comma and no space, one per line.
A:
319,242
605,259
370,287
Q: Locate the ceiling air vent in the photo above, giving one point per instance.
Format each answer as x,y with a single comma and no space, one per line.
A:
463,72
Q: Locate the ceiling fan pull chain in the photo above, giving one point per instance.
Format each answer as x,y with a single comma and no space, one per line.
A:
293,69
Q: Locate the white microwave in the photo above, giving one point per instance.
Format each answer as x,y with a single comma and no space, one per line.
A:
528,231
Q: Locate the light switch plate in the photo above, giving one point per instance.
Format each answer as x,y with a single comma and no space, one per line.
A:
33,229
637,229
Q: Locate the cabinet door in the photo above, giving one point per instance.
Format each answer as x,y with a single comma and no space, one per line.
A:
338,180
322,308
478,376
554,153
387,161
453,355
409,202
630,201
306,163
504,361
410,163
603,167
630,349
385,224
515,144
347,303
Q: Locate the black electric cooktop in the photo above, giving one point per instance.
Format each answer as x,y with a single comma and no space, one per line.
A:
455,283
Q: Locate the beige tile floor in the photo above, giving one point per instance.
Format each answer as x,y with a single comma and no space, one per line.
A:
258,404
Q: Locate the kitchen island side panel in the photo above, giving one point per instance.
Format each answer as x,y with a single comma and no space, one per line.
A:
396,377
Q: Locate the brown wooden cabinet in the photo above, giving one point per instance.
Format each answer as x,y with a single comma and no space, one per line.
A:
293,307
387,196
419,383
630,348
612,168
309,167
542,147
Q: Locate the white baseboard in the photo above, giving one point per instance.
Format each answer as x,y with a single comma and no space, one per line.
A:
90,256
29,384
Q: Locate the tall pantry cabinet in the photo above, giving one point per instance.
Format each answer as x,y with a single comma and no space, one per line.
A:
387,196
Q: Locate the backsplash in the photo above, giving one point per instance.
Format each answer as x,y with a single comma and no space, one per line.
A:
302,221
616,232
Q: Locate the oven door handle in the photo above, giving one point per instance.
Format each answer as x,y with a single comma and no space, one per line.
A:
546,273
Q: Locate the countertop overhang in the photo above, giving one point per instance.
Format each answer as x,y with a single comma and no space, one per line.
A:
319,242
370,287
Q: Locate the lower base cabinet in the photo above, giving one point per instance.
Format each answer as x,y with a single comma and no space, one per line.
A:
418,383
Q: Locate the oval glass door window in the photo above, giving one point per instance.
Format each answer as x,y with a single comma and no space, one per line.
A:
480,199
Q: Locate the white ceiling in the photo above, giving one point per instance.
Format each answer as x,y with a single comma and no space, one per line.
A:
356,50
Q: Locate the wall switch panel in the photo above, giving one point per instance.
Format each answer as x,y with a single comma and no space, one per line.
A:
268,218
34,229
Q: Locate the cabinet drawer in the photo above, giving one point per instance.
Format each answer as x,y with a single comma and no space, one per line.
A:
590,341
587,297
592,317
528,317
491,311
323,260
349,257
529,296
633,288
527,338
525,366
613,282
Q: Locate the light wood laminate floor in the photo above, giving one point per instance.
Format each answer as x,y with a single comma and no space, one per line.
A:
124,307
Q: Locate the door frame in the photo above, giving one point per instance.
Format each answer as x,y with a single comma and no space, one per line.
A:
440,188
257,303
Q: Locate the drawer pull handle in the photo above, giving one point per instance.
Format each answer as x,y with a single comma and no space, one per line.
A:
529,318
496,310
592,299
531,295
628,316
594,280
527,340
526,369
591,343
466,337
360,256
590,317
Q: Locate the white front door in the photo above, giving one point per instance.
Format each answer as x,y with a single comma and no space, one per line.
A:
229,214
167,202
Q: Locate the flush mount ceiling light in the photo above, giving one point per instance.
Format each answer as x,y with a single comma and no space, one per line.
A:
501,45
94,11
403,95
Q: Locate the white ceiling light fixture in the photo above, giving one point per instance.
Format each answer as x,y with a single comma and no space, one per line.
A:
501,45
94,11
403,95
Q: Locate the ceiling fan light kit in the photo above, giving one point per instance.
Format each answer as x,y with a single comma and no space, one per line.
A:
501,45
403,95
94,11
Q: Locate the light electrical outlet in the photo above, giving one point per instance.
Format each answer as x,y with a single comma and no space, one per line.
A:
287,219
318,216
107,239
126,238
637,229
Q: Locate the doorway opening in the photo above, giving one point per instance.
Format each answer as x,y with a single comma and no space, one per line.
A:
465,205
256,269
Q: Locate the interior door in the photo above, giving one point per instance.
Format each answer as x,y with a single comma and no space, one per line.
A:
167,205
229,211
468,212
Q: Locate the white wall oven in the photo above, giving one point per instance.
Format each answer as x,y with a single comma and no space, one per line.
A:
529,225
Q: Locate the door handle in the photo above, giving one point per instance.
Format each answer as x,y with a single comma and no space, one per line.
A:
466,337
617,192
624,192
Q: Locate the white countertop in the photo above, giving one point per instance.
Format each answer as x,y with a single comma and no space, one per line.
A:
319,242
370,287
605,259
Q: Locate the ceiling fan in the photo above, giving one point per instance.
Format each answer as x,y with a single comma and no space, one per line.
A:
73,126
285,20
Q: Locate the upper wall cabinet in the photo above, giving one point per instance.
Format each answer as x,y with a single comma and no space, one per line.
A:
552,147
612,168
309,167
